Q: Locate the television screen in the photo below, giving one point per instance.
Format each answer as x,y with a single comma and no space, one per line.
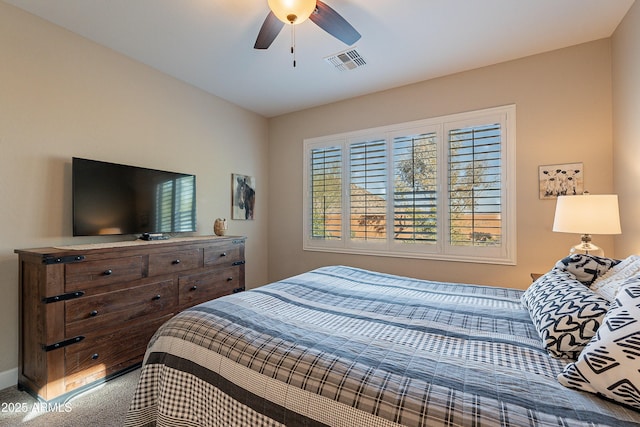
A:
110,198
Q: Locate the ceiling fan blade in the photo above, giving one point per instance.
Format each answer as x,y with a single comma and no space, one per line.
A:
331,21
268,32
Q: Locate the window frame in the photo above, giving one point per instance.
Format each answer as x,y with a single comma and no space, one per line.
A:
505,253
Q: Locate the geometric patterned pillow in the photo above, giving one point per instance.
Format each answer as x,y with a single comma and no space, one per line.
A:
610,363
608,284
586,268
565,313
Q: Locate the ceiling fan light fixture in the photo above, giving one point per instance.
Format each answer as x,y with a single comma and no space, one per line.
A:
292,11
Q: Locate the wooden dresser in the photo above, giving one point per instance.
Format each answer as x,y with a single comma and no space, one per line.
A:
87,312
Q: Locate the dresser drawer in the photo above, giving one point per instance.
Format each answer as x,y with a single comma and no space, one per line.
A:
112,309
175,261
222,254
97,356
197,288
83,275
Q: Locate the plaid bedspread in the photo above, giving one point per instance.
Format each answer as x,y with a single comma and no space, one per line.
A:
340,346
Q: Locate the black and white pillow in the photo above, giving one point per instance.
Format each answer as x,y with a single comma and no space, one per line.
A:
607,285
565,313
610,363
586,268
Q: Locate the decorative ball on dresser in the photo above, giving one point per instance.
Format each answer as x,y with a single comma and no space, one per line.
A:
220,226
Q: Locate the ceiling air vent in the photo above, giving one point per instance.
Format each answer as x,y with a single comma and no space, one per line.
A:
348,60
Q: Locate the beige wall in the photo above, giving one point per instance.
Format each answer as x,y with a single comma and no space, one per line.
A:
563,101
63,96
626,128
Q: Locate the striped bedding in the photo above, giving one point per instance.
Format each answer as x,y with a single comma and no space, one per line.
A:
341,346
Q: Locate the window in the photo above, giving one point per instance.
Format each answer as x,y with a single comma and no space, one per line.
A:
367,190
326,193
414,188
440,188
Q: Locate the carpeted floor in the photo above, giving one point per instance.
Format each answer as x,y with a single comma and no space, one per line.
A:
104,405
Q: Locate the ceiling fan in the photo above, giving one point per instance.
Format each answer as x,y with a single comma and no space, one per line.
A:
297,11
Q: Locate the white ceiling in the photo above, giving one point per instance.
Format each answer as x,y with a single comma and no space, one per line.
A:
209,43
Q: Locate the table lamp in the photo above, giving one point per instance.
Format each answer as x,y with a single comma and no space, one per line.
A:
587,214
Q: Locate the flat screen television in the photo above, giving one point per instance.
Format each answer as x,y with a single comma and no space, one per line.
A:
116,199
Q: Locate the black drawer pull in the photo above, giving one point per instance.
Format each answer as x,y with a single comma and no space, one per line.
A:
223,254
94,313
62,297
176,262
63,343
229,279
194,287
94,356
55,260
157,297
108,272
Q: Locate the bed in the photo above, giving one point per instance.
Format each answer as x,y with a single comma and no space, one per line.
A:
342,346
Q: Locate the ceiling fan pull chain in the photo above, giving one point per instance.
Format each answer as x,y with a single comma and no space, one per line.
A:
293,44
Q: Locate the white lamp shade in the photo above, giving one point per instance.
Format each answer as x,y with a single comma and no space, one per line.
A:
284,9
587,214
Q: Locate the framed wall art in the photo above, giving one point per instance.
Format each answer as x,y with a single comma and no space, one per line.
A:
243,189
560,180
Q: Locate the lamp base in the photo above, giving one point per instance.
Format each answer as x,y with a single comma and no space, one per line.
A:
586,247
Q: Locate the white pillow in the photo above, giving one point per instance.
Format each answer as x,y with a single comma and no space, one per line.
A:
608,284
608,365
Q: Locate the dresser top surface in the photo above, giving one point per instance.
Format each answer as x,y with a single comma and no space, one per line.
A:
130,245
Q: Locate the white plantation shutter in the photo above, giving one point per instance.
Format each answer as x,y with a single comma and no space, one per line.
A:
368,189
326,193
475,203
415,194
436,188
